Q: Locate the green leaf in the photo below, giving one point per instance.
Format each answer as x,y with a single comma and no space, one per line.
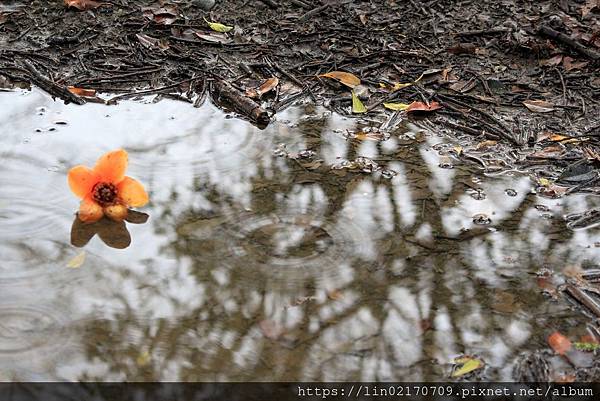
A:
468,366
357,105
77,261
215,26
582,346
396,106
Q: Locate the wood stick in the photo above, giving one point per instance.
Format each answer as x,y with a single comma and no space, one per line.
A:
566,40
241,103
50,87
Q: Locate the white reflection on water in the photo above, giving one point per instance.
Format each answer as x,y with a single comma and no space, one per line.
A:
254,268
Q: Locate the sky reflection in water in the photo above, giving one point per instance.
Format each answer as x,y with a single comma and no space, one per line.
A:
252,267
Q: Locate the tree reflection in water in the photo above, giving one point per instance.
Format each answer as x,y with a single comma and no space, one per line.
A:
274,271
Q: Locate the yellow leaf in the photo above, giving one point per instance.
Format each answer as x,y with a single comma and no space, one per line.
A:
143,359
458,150
396,86
77,261
215,26
345,78
468,366
357,105
396,106
544,182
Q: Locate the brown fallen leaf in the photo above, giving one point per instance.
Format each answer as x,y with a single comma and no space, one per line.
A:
571,64
559,343
539,106
420,106
164,15
82,5
268,85
462,48
82,92
214,37
150,42
552,61
485,145
342,77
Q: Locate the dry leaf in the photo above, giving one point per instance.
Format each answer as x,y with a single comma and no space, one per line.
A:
485,145
268,85
77,261
335,295
396,86
469,364
559,343
589,6
420,106
345,78
214,37
552,61
164,15
82,92
150,42
215,26
82,5
396,106
357,105
143,359
539,106
570,64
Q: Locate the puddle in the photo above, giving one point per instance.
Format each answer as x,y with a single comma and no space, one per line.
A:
256,264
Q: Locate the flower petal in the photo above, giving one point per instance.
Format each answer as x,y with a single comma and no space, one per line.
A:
132,192
90,211
116,212
111,166
82,180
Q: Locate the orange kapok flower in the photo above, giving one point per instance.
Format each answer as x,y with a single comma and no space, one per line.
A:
105,189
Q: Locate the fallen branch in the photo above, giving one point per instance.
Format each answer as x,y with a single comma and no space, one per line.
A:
55,90
241,103
566,40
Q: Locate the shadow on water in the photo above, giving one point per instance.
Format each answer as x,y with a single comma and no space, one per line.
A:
257,266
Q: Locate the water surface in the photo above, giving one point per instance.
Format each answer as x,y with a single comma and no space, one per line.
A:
258,266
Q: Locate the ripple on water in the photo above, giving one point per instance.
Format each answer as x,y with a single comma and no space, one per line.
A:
31,329
33,200
292,247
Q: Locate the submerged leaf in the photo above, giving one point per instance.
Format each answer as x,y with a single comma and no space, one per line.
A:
215,26
357,105
345,78
559,343
396,106
77,261
468,365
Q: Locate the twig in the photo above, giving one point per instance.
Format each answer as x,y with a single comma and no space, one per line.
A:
50,87
564,39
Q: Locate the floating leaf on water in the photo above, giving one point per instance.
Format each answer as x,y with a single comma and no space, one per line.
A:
396,106
77,261
335,295
215,26
357,105
586,346
539,106
420,106
469,364
143,359
82,5
345,78
559,343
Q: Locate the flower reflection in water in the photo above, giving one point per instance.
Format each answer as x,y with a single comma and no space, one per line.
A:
113,233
